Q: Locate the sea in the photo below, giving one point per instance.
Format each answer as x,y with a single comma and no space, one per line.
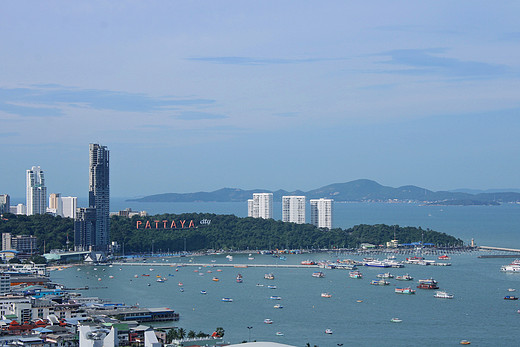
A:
358,313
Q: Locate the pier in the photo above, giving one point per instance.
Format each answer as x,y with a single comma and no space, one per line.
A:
489,248
218,265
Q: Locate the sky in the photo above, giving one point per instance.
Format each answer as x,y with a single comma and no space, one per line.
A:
199,95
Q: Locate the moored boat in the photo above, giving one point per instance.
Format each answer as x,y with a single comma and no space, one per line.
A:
405,290
269,276
274,297
308,262
385,275
318,274
405,277
427,286
271,287
227,299
443,295
380,282
355,274
510,297
268,321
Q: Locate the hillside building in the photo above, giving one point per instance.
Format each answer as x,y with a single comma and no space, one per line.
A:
261,206
293,209
321,213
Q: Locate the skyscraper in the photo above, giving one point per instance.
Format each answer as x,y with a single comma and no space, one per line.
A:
5,203
261,206
92,224
293,209
99,194
36,193
321,213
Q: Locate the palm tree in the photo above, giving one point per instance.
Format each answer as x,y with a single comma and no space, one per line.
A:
191,334
181,333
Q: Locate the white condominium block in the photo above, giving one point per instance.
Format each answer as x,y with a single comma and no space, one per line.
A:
321,213
293,209
261,206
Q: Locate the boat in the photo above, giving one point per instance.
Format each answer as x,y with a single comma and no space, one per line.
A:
377,263
227,299
444,257
268,321
328,331
180,284
251,258
510,268
510,297
385,275
274,297
326,295
511,290
271,287
405,290
405,277
279,333
278,306
182,289
318,274
145,275
396,320
428,281
308,262
239,278
380,282
203,292
161,280
259,285
355,274
269,276
443,295
215,279
427,286
465,342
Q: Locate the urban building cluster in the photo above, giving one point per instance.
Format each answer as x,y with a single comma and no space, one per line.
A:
293,209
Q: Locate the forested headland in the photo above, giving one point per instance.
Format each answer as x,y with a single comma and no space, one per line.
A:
174,233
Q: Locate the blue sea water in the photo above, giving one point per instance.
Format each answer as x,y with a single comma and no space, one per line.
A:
477,313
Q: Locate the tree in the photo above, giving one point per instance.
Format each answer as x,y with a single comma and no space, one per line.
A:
172,335
38,259
181,333
14,261
191,334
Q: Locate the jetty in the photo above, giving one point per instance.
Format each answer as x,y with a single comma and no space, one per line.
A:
217,265
489,248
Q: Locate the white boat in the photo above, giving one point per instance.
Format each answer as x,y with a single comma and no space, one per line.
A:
510,268
385,275
227,299
274,297
203,292
279,333
278,306
396,320
328,331
380,282
326,295
268,321
443,295
405,277
377,263
269,276
271,287
318,274
511,290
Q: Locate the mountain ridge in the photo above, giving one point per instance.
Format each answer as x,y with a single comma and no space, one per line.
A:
352,191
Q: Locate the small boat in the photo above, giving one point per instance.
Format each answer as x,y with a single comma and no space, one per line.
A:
274,297
396,320
283,258
511,290
181,289
278,333
180,284
465,342
251,258
110,276
308,262
326,295
510,297
239,278
271,287
380,282
219,270
444,257
136,276
203,292
355,274
328,331
145,275
385,275
215,279
405,290
268,321
405,277
227,299
161,280
278,306
429,281
269,276
259,285
318,274
443,295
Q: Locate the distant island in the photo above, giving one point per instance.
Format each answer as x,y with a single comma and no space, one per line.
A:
362,190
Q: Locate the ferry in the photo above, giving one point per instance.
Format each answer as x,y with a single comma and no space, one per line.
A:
443,295
269,276
268,321
355,274
405,290
318,274
385,275
326,295
274,297
227,299
405,277
380,282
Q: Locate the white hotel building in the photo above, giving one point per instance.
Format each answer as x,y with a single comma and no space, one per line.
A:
261,206
293,209
321,213
36,193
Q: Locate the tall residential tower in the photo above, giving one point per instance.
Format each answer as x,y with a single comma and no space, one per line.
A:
36,193
293,209
261,206
321,213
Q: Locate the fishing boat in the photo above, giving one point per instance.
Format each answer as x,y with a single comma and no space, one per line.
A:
227,299
326,295
385,275
308,262
405,277
443,295
328,331
180,284
405,290
427,286
396,320
268,321
274,297
318,274
355,274
380,282
269,276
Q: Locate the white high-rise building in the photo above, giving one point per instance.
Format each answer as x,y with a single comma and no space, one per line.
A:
293,209
261,206
321,213
69,205
36,194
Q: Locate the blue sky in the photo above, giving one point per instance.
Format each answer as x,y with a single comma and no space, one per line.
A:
199,95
